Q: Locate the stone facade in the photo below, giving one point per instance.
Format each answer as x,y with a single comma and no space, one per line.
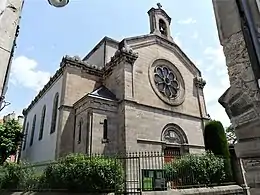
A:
241,100
112,101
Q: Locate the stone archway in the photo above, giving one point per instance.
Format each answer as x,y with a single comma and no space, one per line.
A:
238,28
174,140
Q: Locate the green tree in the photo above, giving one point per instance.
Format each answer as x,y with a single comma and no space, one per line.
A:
216,141
230,134
10,138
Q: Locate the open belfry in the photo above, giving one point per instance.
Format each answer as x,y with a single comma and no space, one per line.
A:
140,94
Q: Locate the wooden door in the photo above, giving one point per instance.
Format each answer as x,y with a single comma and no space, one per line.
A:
170,153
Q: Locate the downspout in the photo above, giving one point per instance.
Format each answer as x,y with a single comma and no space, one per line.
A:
74,132
91,129
87,134
201,116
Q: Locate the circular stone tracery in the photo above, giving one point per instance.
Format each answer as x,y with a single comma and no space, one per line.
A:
166,81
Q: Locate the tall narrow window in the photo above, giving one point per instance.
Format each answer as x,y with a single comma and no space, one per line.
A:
54,113
42,122
105,129
25,135
80,130
33,130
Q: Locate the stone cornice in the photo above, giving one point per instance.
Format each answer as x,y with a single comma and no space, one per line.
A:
142,105
87,67
57,74
95,103
66,61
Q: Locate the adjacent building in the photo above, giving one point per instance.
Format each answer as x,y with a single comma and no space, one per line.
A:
10,14
140,94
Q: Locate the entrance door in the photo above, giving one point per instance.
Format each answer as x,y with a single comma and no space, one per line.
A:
170,153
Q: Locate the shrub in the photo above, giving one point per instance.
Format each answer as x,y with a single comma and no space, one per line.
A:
80,173
196,169
216,141
17,176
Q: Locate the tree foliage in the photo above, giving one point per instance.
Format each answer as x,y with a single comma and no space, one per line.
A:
10,138
216,142
196,169
215,139
231,136
80,173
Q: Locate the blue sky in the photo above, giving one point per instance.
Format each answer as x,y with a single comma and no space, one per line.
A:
48,33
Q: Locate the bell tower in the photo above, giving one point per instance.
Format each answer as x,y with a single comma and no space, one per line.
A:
160,22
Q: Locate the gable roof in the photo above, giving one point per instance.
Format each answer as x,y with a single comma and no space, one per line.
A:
99,44
103,93
149,39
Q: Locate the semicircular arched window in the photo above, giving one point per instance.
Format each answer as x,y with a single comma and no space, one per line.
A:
174,134
54,113
80,130
33,130
42,122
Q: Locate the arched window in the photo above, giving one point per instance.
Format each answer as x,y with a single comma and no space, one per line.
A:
25,135
80,130
175,140
105,129
173,134
33,130
162,27
42,122
54,113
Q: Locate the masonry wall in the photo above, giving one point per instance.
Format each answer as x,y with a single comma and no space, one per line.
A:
93,112
144,126
76,85
42,150
143,89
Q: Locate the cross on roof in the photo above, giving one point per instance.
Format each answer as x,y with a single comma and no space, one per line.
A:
159,5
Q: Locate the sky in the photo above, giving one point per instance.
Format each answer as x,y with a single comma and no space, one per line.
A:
48,33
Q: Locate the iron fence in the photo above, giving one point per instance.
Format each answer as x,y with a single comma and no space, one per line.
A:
121,173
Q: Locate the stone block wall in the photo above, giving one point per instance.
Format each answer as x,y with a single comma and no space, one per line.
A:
144,126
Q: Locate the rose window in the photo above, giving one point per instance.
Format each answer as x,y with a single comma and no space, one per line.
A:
166,81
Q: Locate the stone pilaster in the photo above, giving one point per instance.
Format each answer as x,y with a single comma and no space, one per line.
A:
242,99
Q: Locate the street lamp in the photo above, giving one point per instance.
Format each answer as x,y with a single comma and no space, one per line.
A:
58,3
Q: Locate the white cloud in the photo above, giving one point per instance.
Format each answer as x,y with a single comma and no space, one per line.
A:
24,72
187,21
217,82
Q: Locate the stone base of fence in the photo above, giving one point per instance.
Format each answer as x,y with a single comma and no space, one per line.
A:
218,190
50,193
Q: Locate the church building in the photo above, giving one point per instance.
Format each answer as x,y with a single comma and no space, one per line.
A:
140,94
